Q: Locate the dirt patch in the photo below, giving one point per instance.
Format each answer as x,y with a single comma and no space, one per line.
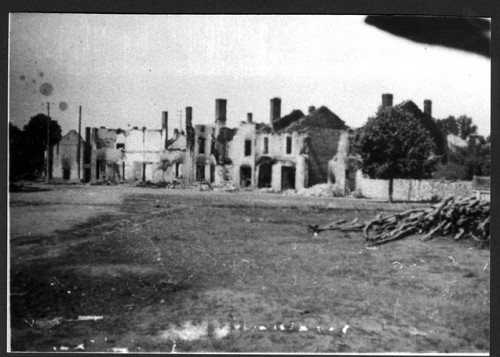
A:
163,264
112,270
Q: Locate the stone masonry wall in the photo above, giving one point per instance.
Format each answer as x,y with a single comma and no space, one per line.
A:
323,147
413,190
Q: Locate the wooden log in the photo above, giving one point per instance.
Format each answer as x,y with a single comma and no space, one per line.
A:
479,239
484,225
353,221
431,233
447,226
400,235
459,234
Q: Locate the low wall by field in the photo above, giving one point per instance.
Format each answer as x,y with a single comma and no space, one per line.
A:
413,190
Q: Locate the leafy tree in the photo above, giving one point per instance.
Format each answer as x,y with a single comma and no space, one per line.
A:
394,144
429,124
35,134
464,163
17,166
465,126
448,125
450,170
478,159
461,126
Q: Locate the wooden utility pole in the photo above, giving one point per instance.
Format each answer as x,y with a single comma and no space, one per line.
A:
47,173
78,158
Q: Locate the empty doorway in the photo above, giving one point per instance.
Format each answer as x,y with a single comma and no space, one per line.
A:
287,177
265,175
245,176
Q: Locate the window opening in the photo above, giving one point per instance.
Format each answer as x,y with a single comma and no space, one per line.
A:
288,144
248,147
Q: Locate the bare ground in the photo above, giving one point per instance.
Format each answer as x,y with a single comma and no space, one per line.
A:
160,264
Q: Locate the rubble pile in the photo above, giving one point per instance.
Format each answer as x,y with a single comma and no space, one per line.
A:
150,184
226,186
320,190
161,184
174,184
458,217
104,183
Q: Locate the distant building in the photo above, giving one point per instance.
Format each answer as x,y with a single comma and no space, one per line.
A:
65,157
455,141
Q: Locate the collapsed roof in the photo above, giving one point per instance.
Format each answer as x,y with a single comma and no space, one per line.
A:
318,118
297,121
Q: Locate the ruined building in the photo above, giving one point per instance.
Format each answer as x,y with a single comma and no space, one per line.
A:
66,158
288,152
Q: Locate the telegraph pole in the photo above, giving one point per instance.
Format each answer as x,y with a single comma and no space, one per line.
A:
47,173
78,159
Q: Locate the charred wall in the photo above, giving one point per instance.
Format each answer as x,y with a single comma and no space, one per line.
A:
323,145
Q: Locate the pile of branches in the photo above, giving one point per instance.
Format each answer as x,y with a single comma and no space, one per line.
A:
458,217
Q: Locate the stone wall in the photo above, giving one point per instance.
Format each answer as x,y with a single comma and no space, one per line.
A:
413,190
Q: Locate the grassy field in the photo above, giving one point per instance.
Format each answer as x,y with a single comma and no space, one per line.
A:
171,269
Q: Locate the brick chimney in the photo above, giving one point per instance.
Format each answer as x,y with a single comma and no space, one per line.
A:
220,115
428,107
249,118
275,109
164,120
220,111
189,128
164,125
189,117
387,100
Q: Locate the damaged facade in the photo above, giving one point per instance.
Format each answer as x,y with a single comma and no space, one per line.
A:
290,152
294,151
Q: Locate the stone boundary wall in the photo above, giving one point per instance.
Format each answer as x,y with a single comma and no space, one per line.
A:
413,190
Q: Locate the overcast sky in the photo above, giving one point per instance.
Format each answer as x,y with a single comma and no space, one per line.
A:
127,69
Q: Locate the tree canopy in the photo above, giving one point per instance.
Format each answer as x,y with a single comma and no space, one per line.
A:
461,126
36,132
465,163
27,147
394,144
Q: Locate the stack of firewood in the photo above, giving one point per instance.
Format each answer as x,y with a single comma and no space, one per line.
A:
460,217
